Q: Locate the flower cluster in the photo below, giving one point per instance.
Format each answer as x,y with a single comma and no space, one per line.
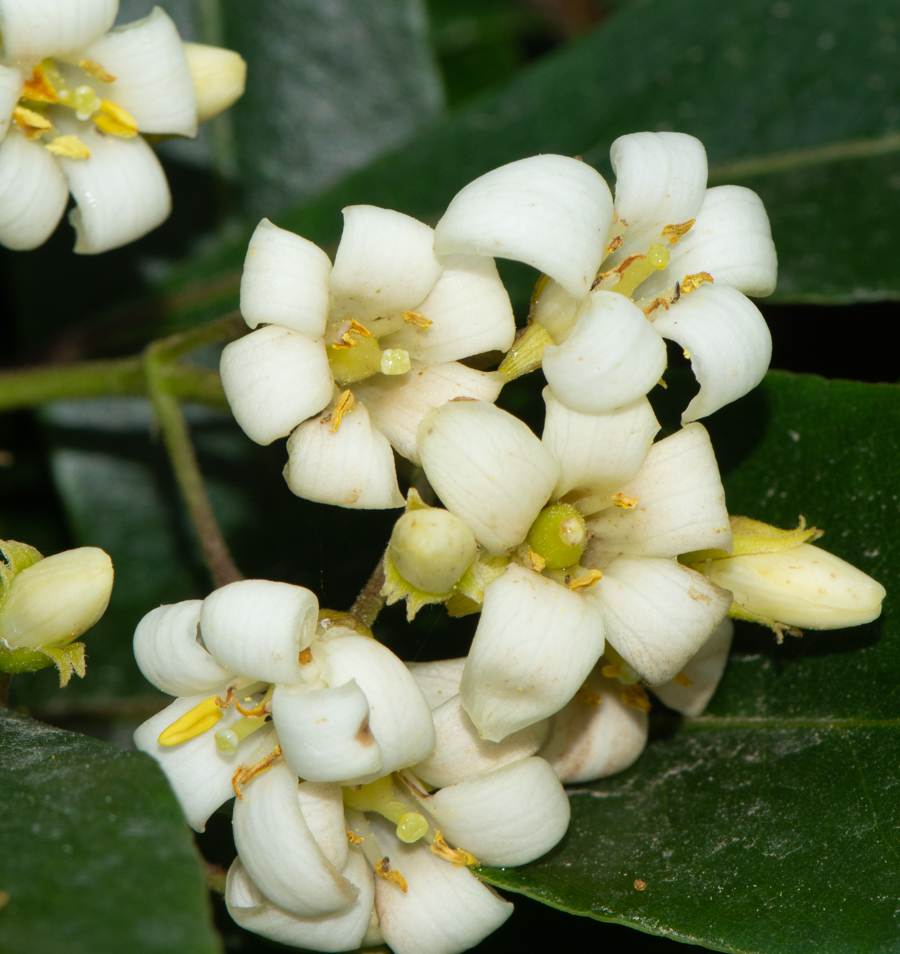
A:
76,99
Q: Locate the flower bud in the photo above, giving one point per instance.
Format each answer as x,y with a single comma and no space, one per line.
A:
802,586
55,600
432,549
218,77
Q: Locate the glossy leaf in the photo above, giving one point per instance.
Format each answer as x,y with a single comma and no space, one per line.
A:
96,857
769,824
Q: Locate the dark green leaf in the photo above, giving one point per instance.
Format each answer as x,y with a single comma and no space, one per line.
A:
771,823
96,857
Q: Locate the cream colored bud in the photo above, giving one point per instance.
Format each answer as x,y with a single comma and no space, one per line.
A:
803,586
218,76
432,549
55,600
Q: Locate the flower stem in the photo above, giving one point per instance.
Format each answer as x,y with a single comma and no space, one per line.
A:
32,386
370,601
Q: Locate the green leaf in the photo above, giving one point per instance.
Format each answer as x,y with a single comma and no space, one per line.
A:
771,823
96,856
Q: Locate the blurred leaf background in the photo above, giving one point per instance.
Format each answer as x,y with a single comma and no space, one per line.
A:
400,103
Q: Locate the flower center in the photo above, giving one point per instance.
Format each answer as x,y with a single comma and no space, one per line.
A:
354,354
558,536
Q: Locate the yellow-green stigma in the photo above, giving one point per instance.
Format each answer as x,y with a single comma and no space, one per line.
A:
379,797
558,536
641,268
227,739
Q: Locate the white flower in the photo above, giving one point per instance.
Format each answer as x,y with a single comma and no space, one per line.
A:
73,100
372,341
252,656
669,259
543,621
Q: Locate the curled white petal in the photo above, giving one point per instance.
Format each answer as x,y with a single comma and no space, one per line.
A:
349,467
459,751
658,613
728,342
731,239
680,502
170,655
596,734
279,851
200,775
34,29
322,805
33,193
660,181
324,733
703,670
488,468
258,628
469,311
121,190
152,79
439,681
385,261
445,909
274,379
804,586
551,212
342,931
597,453
399,716
398,403
535,644
285,281
508,816
11,83
613,357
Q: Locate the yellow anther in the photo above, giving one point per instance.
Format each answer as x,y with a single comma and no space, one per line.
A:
624,501
636,698
611,671
39,88
656,303
588,696
342,406
674,232
682,680
414,318
354,839
355,329
247,773
614,244
583,582
537,561
194,722
384,869
264,706
692,282
637,268
115,121
31,123
305,657
456,856
69,147
97,71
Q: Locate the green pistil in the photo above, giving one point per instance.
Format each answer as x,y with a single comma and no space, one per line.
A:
558,535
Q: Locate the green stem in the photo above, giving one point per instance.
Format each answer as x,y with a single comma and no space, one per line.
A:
370,601
32,386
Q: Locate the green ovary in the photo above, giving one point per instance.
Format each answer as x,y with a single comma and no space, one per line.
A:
558,535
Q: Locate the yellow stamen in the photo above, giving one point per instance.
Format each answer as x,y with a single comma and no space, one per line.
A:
31,123
97,71
354,839
583,582
247,773
610,671
635,698
355,329
624,501
682,680
69,147
203,716
456,856
384,869
674,232
39,88
342,406
261,709
305,657
588,697
115,121
414,318
537,561
614,244
656,303
692,282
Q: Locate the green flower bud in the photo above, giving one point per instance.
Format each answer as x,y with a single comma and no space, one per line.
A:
53,601
431,549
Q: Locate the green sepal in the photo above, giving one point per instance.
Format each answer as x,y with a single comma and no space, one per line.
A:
779,629
22,660
484,570
17,557
339,619
753,536
67,659
396,588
